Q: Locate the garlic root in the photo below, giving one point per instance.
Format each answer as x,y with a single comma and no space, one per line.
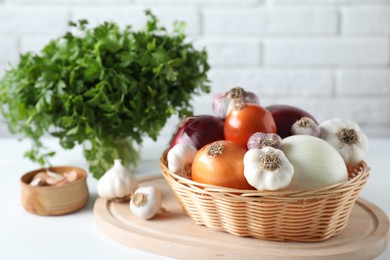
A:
146,202
347,138
180,159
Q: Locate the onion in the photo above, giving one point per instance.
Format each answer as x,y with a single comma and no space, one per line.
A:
221,163
245,120
285,116
199,131
316,163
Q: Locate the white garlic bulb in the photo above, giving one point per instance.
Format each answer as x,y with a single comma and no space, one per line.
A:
223,102
267,168
117,182
180,159
347,137
146,202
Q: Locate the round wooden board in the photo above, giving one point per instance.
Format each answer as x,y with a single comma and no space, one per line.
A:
173,234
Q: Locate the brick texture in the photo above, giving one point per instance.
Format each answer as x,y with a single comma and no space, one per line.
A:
134,15
260,21
34,43
8,50
327,51
18,20
366,20
370,82
329,57
232,51
275,82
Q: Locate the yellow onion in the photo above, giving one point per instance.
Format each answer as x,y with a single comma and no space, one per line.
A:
221,163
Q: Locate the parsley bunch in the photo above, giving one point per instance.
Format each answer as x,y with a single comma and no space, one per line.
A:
105,88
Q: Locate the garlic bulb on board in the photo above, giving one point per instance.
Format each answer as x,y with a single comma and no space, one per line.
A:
223,102
347,137
146,202
117,182
267,168
180,159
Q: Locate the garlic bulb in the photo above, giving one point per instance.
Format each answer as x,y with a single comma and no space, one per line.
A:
267,169
180,159
223,102
146,202
347,137
305,126
117,182
260,140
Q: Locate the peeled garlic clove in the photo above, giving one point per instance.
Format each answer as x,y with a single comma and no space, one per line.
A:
39,179
71,176
55,181
61,183
36,182
54,175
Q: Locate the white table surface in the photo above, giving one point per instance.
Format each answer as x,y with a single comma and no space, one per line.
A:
76,236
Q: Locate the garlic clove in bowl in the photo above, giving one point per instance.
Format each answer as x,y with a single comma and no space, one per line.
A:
54,200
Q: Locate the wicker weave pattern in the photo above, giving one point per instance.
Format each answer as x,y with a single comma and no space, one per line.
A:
305,216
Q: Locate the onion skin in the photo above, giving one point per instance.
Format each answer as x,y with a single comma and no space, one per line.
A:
226,169
285,116
198,131
245,120
316,163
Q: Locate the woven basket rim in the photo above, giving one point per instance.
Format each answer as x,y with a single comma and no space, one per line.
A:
361,171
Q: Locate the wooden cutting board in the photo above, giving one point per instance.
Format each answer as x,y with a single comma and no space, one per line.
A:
172,233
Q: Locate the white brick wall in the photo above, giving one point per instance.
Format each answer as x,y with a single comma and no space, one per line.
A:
366,20
264,21
330,57
32,19
327,51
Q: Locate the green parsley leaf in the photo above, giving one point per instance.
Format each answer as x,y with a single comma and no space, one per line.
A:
105,88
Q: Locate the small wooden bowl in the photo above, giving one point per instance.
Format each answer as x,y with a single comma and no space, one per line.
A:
54,200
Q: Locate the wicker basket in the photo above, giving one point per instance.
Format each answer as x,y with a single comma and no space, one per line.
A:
304,216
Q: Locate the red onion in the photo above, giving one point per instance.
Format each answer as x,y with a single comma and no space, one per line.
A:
285,116
199,131
223,103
